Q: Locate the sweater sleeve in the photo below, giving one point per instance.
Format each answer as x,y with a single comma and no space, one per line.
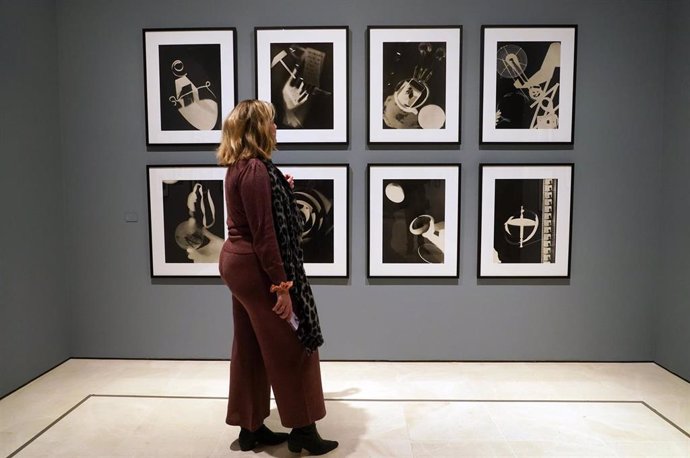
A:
257,201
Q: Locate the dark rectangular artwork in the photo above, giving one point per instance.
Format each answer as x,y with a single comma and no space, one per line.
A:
302,85
413,221
194,220
190,87
528,85
525,221
314,200
414,85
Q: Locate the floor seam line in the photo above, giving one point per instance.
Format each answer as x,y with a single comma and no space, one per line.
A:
103,395
40,433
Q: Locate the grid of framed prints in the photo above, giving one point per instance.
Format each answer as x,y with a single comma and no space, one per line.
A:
304,73
190,84
525,220
186,220
321,195
413,219
414,84
528,84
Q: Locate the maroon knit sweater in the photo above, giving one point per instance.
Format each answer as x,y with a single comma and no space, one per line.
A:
250,217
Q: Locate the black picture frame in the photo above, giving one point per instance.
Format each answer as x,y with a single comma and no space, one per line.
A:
184,241
322,193
525,220
521,103
414,84
304,72
190,84
405,234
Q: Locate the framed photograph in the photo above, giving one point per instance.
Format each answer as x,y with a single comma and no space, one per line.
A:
413,220
321,193
191,84
414,84
525,213
528,84
186,220
304,73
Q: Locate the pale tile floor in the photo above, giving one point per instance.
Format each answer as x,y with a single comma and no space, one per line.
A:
87,408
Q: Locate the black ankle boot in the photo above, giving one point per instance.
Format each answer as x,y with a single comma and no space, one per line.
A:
309,438
262,436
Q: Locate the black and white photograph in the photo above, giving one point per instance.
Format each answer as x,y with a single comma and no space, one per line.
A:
414,84
187,220
528,78
413,220
525,220
321,195
190,84
302,85
185,105
303,73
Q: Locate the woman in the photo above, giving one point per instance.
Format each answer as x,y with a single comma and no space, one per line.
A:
261,262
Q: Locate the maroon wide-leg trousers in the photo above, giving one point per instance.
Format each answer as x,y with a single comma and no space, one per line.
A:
266,353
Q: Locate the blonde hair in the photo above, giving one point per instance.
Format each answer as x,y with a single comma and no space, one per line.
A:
247,132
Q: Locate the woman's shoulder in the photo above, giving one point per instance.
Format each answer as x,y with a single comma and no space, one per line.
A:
247,164
251,168
254,164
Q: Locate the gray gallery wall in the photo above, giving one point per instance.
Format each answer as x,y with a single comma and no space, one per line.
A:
33,313
602,313
74,277
672,306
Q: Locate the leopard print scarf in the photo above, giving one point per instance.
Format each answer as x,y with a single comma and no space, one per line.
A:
289,225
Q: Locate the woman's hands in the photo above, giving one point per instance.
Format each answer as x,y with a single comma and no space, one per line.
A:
291,180
283,307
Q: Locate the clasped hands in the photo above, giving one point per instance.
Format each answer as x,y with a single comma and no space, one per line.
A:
283,307
291,180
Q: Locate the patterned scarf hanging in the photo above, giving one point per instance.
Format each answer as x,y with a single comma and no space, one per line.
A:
288,226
